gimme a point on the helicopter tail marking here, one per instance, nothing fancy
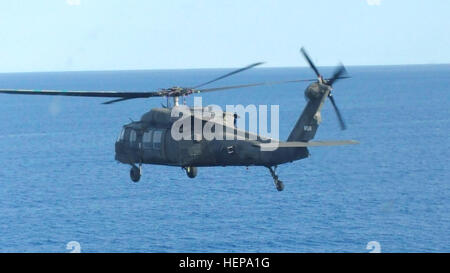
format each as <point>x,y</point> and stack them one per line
<point>307,124</point>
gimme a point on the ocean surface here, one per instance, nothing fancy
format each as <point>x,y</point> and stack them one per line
<point>59,181</point>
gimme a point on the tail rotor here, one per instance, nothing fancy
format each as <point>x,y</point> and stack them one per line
<point>339,73</point>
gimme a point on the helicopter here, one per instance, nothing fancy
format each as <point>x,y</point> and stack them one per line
<point>150,140</point>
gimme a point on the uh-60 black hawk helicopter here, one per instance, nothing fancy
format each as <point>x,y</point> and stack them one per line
<point>149,141</point>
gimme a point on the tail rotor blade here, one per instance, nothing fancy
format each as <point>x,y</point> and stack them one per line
<point>338,113</point>
<point>340,70</point>
<point>308,59</point>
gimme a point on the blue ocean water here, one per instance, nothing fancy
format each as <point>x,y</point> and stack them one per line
<point>59,181</point>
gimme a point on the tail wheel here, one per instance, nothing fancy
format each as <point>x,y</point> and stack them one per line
<point>135,174</point>
<point>191,172</point>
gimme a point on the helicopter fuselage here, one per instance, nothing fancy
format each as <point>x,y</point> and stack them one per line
<point>149,143</point>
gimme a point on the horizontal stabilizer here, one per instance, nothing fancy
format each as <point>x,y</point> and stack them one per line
<point>296,144</point>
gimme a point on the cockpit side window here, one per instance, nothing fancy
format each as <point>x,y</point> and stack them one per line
<point>133,137</point>
<point>126,135</point>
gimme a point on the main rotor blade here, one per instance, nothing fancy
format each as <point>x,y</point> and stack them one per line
<point>251,85</point>
<point>338,113</point>
<point>340,70</point>
<point>228,74</point>
<point>117,100</point>
<point>258,84</point>
<point>308,59</point>
<point>98,94</point>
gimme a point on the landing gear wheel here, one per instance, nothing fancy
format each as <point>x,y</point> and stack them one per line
<point>279,185</point>
<point>135,174</point>
<point>191,172</point>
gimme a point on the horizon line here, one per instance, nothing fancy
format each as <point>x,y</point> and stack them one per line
<point>217,68</point>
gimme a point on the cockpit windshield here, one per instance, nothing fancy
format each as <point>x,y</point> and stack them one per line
<point>121,135</point>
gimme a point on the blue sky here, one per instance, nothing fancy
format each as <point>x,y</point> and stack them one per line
<point>61,35</point>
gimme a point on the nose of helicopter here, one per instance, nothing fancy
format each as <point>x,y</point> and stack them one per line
<point>119,147</point>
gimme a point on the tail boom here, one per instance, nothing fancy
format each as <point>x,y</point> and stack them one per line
<point>306,126</point>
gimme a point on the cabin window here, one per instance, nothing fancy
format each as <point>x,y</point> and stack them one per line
<point>157,140</point>
<point>147,139</point>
